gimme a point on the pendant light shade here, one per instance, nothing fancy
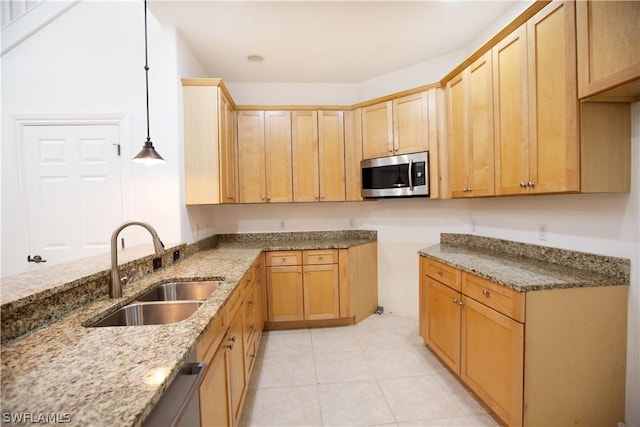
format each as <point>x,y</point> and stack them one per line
<point>148,155</point>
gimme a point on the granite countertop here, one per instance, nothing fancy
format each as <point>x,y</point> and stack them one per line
<point>525,267</point>
<point>115,375</point>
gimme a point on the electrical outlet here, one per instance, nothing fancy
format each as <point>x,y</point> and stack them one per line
<point>157,263</point>
<point>176,255</point>
<point>542,232</point>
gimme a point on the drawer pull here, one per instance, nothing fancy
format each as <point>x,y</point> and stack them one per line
<point>485,293</point>
<point>457,301</point>
<point>439,272</point>
<point>284,259</point>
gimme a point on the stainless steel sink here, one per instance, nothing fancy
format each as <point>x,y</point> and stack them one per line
<point>150,313</point>
<point>178,291</point>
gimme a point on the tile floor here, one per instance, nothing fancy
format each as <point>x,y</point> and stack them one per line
<point>371,374</point>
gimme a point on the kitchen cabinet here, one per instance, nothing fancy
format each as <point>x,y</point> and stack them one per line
<point>321,287</point>
<point>545,141</point>
<point>525,354</point>
<point>303,285</point>
<point>318,156</point>
<point>229,348</point>
<point>470,130</point>
<point>353,154</point>
<point>608,50</point>
<point>398,126</point>
<point>264,156</point>
<point>209,143</point>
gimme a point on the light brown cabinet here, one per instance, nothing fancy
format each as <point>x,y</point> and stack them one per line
<point>399,126</point>
<point>545,141</point>
<point>264,154</point>
<point>229,348</point>
<point>303,285</point>
<point>318,146</point>
<point>321,287</point>
<point>470,131</point>
<point>527,372</point>
<point>608,51</point>
<point>209,143</point>
<point>353,154</point>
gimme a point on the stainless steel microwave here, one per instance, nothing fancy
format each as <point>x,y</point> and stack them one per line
<point>405,175</point>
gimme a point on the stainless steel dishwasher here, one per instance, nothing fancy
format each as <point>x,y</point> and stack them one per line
<point>179,406</point>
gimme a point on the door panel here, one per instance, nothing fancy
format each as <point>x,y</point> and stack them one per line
<point>73,189</point>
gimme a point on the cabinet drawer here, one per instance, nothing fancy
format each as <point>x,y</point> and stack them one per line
<point>504,300</point>
<point>206,347</point>
<point>246,282</point>
<point>284,258</point>
<point>320,256</point>
<point>443,273</point>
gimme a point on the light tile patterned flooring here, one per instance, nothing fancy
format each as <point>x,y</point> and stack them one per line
<point>371,374</point>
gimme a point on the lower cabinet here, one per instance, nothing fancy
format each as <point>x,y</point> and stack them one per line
<point>229,349</point>
<point>563,365</point>
<point>321,287</point>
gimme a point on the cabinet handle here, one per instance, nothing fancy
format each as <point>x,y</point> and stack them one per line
<point>322,196</point>
<point>284,259</point>
<point>229,346</point>
<point>320,258</point>
<point>268,198</point>
<point>523,184</point>
<point>485,293</point>
<point>232,339</point>
<point>457,301</point>
<point>439,272</point>
<point>390,150</point>
<point>531,184</point>
<point>262,197</point>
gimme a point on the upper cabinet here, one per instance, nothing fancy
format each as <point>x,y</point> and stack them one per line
<point>318,146</point>
<point>398,126</point>
<point>264,151</point>
<point>470,130</point>
<point>209,143</point>
<point>608,34</point>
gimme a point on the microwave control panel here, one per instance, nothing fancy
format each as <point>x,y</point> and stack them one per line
<point>419,177</point>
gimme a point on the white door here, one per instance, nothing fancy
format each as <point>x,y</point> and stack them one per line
<point>73,191</point>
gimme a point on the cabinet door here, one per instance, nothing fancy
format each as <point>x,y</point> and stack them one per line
<point>411,124</point>
<point>377,130</point>
<point>331,156</point>
<point>456,145</point>
<point>277,142</point>
<point>251,156</point>
<point>228,152</point>
<point>492,359</point>
<point>304,140</point>
<point>235,366</point>
<point>444,320</point>
<point>423,309</point>
<point>284,293</point>
<point>213,392</point>
<point>608,46</point>
<point>553,106</point>
<point>201,156</point>
<point>353,154</point>
<point>511,113</point>
<point>321,292</point>
<point>480,127</point>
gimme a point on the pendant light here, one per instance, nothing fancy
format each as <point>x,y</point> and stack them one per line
<point>148,155</point>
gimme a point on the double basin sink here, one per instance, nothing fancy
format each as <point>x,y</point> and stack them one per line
<point>164,303</point>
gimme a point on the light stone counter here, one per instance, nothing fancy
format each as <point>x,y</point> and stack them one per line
<point>104,376</point>
<point>526,267</point>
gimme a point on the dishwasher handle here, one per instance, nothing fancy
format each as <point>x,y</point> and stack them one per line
<point>198,369</point>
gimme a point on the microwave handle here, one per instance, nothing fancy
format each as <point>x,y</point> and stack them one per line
<point>410,174</point>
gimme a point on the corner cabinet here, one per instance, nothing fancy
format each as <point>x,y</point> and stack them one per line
<point>321,287</point>
<point>264,154</point>
<point>527,369</point>
<point>608,50</point>
<point>211,175</point>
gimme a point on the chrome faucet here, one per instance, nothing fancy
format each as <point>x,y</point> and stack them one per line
<point>115,288</point>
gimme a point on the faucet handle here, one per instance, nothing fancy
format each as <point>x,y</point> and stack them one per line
<point>125,279</point>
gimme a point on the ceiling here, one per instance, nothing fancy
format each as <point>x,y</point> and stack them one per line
<point>323,41</point>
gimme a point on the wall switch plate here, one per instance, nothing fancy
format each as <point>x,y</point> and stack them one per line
<point>157,263</point>
<point>176,255</point>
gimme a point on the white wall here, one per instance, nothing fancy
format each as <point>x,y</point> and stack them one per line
<point>91,61</point>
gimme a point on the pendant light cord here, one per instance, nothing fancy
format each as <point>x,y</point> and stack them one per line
<point>146,69</point>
